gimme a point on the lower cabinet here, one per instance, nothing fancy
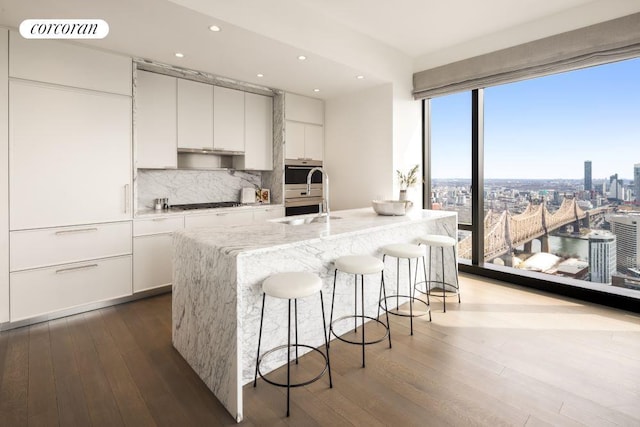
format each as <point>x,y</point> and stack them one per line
<point>267,213</point>
<point>152,251</point>
<point>220,218</point>
<point>46,290</point>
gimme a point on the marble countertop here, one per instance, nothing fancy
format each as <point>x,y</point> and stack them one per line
<point>266,236</point>
<point>152,213</point>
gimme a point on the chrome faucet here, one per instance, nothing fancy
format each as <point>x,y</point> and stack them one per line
<point>324,206</point>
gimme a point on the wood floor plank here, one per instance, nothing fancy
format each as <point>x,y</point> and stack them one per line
<point>101,404</point>
<point>15,380</point>
<point>42,404</point>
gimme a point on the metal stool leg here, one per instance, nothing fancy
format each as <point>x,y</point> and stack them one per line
<point>255,378</point>
<point>333,298</point>
<point>410,299</point>
<point>288,355</point>
<point>326,342</point>
<point>355,303</point>
<point>386,308</point>
<point>444,295</point>
<point>457,283</point>
<point>362,299</point>
<point>295,308</point>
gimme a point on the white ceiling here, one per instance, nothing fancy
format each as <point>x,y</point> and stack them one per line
<point>383,40</point>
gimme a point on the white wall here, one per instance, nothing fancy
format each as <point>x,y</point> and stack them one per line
<point>4,175</point>
<point>358,147</point>
<point>407,139</point>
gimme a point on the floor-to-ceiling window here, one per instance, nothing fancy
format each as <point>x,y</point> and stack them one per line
<point>558,169</point>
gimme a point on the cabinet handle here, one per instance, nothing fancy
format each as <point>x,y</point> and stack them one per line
<point>158,219</point>
<point>72,269</point>
<point>222,214</point>
<point>301,167</point>
<point>77,230</point>
<point>126,198</point>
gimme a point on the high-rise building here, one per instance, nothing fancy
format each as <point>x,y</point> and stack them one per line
<point>636,181</point>
<point>627,231</point>
<point>602,256</point>
<point>588,184</point>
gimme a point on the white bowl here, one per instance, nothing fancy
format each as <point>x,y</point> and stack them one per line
<point>391,207</point>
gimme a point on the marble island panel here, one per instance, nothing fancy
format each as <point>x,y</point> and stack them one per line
<point>218,273</point>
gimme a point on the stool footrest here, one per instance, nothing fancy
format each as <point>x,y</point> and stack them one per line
<point>359,316</point>
<point>301,384</point>
<point>396,312</point>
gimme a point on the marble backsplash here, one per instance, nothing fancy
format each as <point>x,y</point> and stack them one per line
<point>192,186</point>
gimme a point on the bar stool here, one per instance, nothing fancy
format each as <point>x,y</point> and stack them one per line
<point>409,252</point>
<point>291,286</point>
<point>359,265</point>
<point>439,241</point>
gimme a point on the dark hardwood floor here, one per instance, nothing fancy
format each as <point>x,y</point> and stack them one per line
<point>505,356</point>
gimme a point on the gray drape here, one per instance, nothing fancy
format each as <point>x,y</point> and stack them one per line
<point>593,45</point>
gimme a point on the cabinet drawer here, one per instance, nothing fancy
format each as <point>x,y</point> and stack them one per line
<point>263,214</point>
<point>143,227</point>
<point>222,218</point>
<point>46,290</point>
<point>51,246</point>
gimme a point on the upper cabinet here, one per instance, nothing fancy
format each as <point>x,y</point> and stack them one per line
<point>304,109</point>
<point>258,134</point>
<point>228,117</point>
<point>304,130</point>
<point>68,65</point>
<point>70,155</point>
<point>156,121</point>
<point>195,115</point>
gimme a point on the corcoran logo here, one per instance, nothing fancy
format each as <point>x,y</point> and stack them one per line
<point>64,29</point>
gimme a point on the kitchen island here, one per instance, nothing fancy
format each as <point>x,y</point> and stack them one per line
<point>217,279</point>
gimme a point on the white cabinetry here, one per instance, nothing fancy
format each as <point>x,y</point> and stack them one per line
<point>304,141</point>
<point>304,109</point>
<point>195,115</point>
<point>45,290</point>
<point>220,218</point>
<point>68,64</point>
<point>152,252</point>
<point>4,177</point>
<point>70,156</point>
<point>156,121</point>
<point>258,133</point>
<point>228,119</point>
<point>266,213</point>
<point>58,269</point>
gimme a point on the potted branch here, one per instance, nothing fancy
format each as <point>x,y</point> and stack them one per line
<point>407,180</point>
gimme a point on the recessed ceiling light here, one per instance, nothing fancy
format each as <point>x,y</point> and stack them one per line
<point>316,90</point>
<point>360,77</point>
<point>260,75</point>
<point>179,55</point>
<point>302,57</point>
<point>214,28</point>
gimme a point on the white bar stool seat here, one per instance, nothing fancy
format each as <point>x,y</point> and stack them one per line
<point>442,242</point>
<point>358,265</point>
<point>291,286</point>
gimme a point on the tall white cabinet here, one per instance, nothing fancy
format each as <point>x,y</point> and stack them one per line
<point>70,177</point>
<point>228,119</point>
<point>4,177</point>
<point>258,133</point>
<point>156,121</point>
<point>74,166</point>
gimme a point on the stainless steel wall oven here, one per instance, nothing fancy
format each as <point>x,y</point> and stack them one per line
<point>297,200</point>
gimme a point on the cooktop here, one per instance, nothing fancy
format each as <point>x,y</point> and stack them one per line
<point>209,205</point>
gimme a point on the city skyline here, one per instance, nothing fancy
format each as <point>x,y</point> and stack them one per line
<point>545,128</point>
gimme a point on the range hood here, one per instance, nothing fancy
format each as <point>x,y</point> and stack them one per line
<point>210,151</point>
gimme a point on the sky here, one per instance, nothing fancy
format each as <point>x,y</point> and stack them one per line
<point>546,127</point>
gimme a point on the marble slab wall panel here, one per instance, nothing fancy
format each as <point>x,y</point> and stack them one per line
<point>192,186</point>
<point>274,180</point>
<point>317,256</point>
<point>205,335</point>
